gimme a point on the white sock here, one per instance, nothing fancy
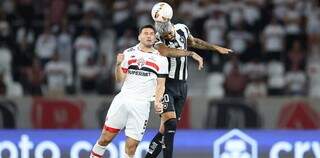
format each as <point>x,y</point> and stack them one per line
<point>98,150</point>
<point>127,156</point>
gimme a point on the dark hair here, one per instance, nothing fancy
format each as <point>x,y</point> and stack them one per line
<point>147,26</point>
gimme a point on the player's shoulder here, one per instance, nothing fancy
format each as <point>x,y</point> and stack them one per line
<point>130,50</point>
<point>181,26</point>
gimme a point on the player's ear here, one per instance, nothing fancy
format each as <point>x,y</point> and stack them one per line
<point>139,38</point>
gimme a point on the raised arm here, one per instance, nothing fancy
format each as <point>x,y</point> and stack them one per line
<point>174,52</point>
<point>119,73</point>
<point>158,106</point>
<point>201,44</point>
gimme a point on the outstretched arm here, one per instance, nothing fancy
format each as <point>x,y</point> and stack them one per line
<point>174,52</point>
<point>201,44</point>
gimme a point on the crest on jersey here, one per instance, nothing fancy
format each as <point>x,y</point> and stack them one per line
<point>140,62</point>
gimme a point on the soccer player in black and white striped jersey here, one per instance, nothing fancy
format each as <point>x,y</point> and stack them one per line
<point>173,41</point>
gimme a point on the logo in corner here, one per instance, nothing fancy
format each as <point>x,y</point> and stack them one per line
<point>235,144</point>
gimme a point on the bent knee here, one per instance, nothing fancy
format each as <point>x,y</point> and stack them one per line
<point>131,148</point>
<point>171,124</point>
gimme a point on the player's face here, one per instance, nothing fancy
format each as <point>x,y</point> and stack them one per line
<point>147,37</point>
<point>168,36</point>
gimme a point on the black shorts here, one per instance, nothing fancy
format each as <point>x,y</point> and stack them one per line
<point>175,96</point>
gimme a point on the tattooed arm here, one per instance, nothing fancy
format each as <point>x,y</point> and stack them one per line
<point>174,52</point>
<point>201,44</point>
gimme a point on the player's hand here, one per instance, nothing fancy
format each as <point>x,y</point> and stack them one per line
<point>199,59</point>
<point>120,58</point>
<point>223,50</point>
<point>158,107</point>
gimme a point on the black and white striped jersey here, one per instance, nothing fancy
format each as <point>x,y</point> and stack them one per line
<point>178,67</point>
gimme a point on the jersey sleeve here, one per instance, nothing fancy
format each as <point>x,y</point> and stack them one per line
<point>163,69</point>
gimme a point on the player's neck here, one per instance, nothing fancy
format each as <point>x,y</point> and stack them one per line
<point>145,49</point>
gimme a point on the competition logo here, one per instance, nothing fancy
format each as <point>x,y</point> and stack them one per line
<point>235,144</point>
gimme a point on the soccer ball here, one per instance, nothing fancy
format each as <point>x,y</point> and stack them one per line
<point>161,12</point>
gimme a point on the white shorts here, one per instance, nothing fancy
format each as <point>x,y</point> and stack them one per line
<point>128,113</point>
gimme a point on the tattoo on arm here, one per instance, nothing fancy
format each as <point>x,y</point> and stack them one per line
<point>201,44</point>
<point>172,52</point>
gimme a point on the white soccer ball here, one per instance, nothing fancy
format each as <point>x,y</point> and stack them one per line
<point>161,12</point>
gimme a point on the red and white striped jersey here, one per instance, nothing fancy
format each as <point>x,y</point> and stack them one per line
<point>142,68</point>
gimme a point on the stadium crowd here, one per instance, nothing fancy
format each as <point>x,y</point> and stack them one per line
<point>57,47</point>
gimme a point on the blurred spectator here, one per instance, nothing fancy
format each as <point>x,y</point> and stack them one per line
<point>239,38</point>
<point>313,30</point>
<point>256,88</point>
<point>64,44</point>
<point>105,79</point>
<point>8,7</point>
<point>142,11</point>
<point>296,57</point>
<point>25,34</point>
<point>276,81</point>
<point>313,70</point>
<point>26,10</point>
<point>5,62</point>
<point>121,16</point>
<point>85,47</point>
<point>58,74</point>
<point>231,64</point>
<point>2,83</point>
<point>88,74</point>
<point>45,46</point>
<point>215,85</point>
<point>91,23</point>
<point>254,69</point>
<point>22,57</point>
<point>235,11</point>
<point>273,41</point>
<point>186,11</point>
<point>5,33</point>
<point>34,78</point>
<point>92,6</point>
<point>251,14</point>
<point>202,9</point>
<point>58,9</point>
<point>121,11</point>
<point>107,45</point>
<point>215,28</point>
<point>127,40</point>
<point>292,23</point>
<point>235,83</point>
<point>296,81</point>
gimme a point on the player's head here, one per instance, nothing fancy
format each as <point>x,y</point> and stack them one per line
<point>165,29</point>
<point>147,35</point>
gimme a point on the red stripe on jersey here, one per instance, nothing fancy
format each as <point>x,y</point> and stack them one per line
<point>154,65</point>
<point>96,155</point>
<point>110,129</point>
<point>132,61</point>
<point>125,70</point>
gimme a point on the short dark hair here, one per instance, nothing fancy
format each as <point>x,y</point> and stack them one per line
<point>147,26</point>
